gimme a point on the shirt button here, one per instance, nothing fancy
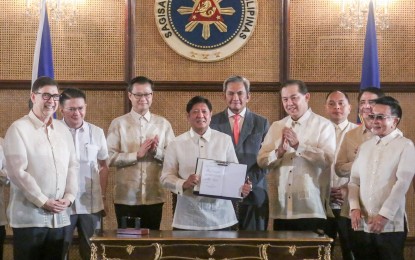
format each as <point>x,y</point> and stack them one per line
<point>289,184</point>
<point>289,197</point>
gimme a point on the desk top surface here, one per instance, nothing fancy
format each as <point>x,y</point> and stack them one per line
<point>302,236</point>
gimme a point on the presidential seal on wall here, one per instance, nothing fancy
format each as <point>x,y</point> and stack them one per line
<point>206,30</point>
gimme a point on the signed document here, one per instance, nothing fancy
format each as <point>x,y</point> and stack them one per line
<point>220,179</point>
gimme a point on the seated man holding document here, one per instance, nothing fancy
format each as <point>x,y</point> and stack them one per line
<point>203,154</point>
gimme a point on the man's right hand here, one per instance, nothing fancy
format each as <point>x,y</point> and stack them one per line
<point>192,181</point>
<point>54,206</point>
<point>355,217</point>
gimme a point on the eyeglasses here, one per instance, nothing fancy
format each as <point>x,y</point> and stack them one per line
<point>47,96</point>
<point>139,95</point>
<point>379,116</point>
<point>74,109</point>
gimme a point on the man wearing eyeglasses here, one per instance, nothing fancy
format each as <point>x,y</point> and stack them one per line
<point>136,144</point>
<point>92,153</point>
<point>338,109</point>
<point>298,150</point>
<point>350,145</point>
<point>43,170</point>
<point>380,177</point>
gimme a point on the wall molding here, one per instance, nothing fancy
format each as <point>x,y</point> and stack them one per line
<point>401,87</point>
<point>85,85</point>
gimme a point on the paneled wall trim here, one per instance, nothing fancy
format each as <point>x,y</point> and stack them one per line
<point>121,40</point>
<point>400,87</point>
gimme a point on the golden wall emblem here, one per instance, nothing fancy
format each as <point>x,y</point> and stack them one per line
<point>206,30</point>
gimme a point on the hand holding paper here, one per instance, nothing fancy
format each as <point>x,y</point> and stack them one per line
<point>222,179</point>
<point>191,181</point>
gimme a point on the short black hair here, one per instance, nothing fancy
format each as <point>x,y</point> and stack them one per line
<point>373,90</point>
<point>196,100</point>
<point>237,78</point>
<point>302,88</point>
<point>43,81</point>
<point>71,93</point>
<point>389,101</point>
<point>139,80</point>
<point>344,93</point>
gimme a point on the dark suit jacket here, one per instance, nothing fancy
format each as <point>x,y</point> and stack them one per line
<point>252,134</point>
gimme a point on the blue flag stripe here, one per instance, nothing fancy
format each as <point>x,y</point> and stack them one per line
<point>43,58</point>
<point>370,66</point>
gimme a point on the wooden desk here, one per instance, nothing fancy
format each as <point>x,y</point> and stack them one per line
<point>211,245</point>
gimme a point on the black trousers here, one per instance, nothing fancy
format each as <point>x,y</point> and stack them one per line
<point>383,246</point>
<point>2,237</point>
<point>253,217</point>
<point>86,224</point>
<point>38,243</point>
<point>150,215</point>
<point>301,224</point>
<point>342,226</point>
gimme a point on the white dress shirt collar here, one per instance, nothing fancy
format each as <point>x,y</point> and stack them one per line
<point>147,116</point>
<point>82,127</point>
<point>387,139</point>
<point>242,114</point>
<point>39,123</point>
<point>302,119</point>
<point>343,124</point>
<point>205,136</point>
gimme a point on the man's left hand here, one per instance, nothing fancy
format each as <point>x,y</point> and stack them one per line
<point>336,196</point>
<point>377,223</point>
<point>154,144</point>
<point>291,137</point>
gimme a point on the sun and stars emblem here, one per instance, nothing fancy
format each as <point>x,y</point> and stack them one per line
<point>206,12</point>
<point>206,30</point>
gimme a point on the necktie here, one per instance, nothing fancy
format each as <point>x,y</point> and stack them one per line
<point>236,128</point>
<point>338,134</point>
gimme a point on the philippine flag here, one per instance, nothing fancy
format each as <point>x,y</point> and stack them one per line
<point>43,59</point>
<point>370,65</point>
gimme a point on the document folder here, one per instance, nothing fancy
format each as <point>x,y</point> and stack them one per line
<point>219,179</point>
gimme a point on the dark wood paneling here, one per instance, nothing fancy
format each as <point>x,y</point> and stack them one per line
<point>86,85</point>
<point>211,86</point>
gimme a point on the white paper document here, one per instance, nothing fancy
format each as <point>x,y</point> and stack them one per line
<point>220,179</point>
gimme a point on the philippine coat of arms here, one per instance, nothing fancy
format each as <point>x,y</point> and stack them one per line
<point>206,30</point>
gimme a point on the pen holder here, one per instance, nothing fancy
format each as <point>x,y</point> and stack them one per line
<point>130,222</point>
